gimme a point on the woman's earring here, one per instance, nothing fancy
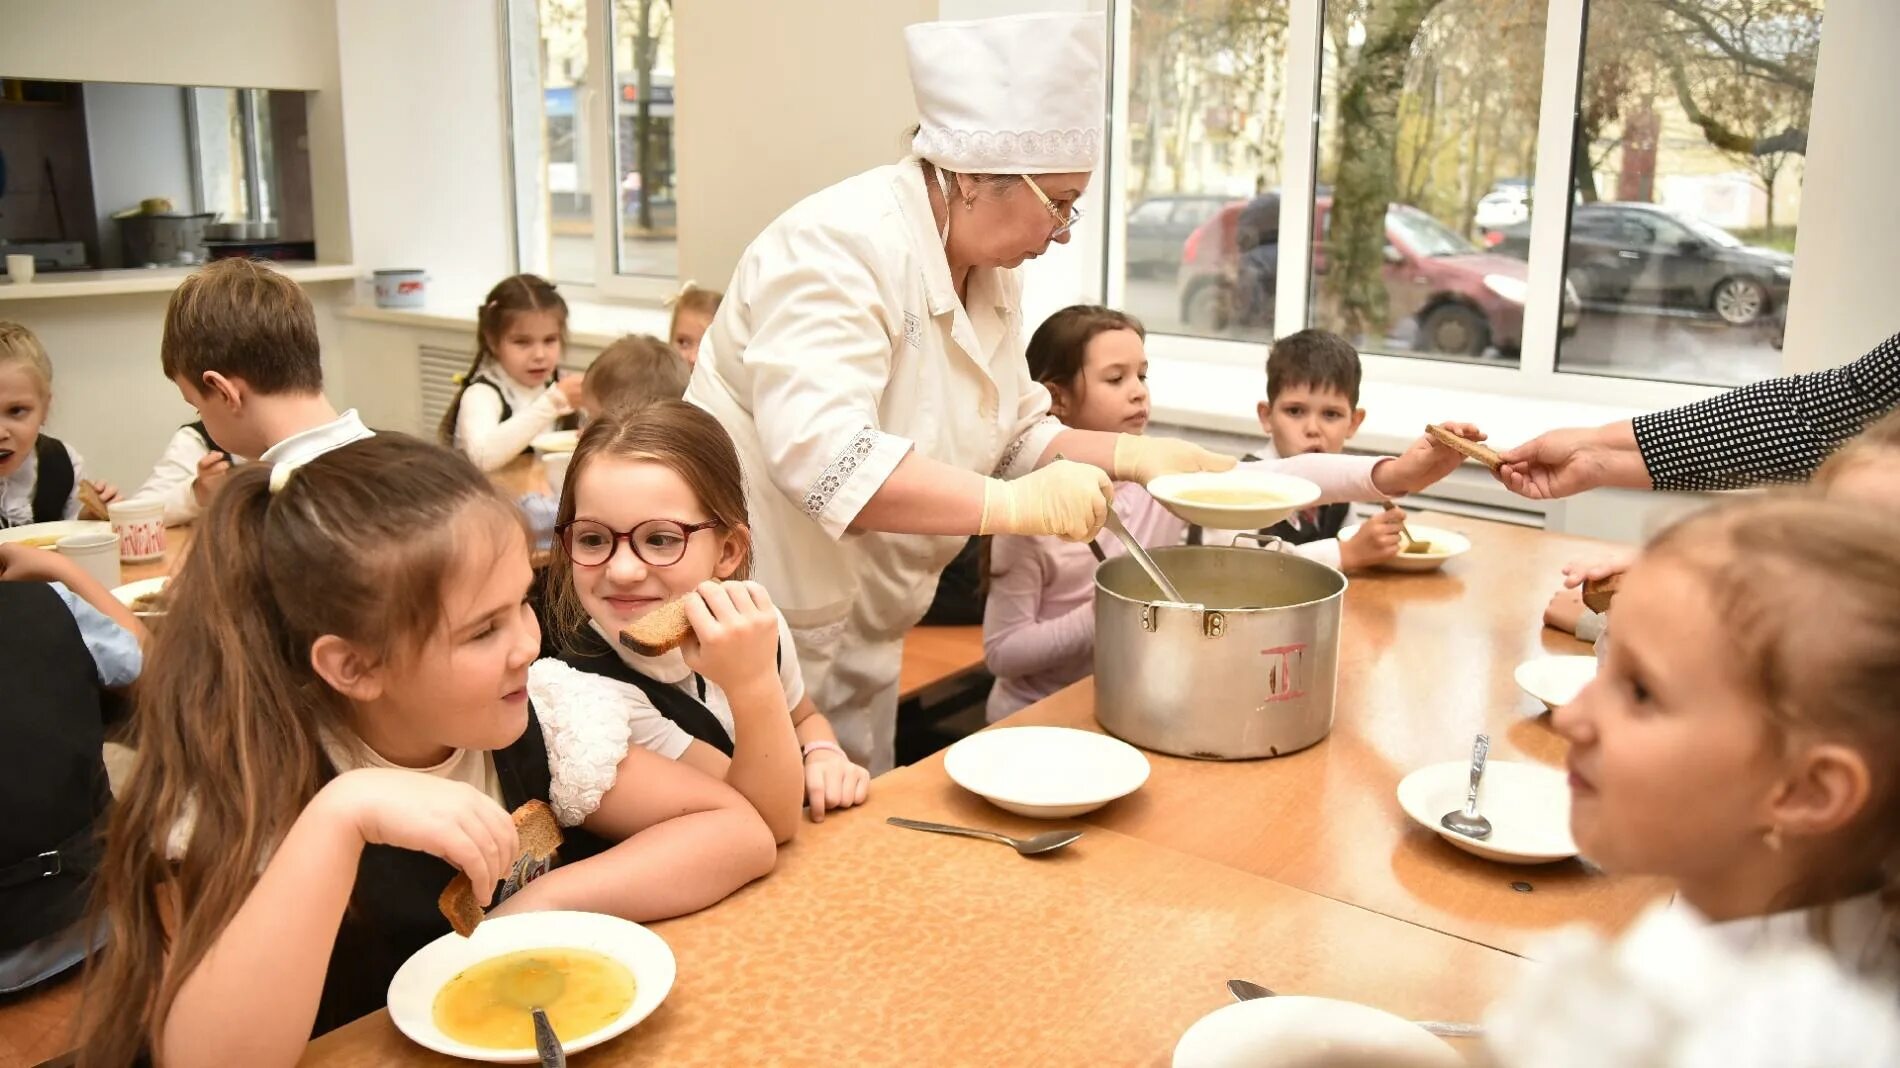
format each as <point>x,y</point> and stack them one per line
<point>969,203</point>
<point>1772,838</point>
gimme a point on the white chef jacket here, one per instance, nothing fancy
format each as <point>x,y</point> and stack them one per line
<point>839,347</point>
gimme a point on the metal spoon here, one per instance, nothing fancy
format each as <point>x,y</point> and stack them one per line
<point>1246,991</point>
<point>1141,557</point>
<point>1036,845</point>
<point>547,1045</point>
<point>1467,822</point>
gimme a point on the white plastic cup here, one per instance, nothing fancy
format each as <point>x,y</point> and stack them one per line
<point>96,554</point>
<point>20,269</point>
<point>140,525</point>
<point>556,464</point>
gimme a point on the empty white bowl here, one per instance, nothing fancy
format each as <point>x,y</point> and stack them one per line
<point>556,441</point>
<point>1528,806</point>
<point>1445,545</point>
<point>1555,680</point>
<point>1302,1032</point>
<point>1282,495</point>
<point>132,591</point>
<point>1049,773</point>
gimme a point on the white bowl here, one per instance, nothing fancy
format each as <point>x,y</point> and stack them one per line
<point>1528,806</point>
<point>1289,495</point>
<point>412,992</point>
<point>556,441</point>
<point>132,591</point>
<point>1290,1031</point>
<point>44,535</point>
<point>1445,545</point>
<point>1049,773</point>
<point>1555,680</point>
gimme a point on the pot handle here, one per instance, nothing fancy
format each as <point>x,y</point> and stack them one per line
<point>1269,542</point>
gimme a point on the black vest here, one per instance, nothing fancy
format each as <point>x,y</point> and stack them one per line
<point>53,485</point>
<point>52,724</point>
<point>204,435</point>
<point>566,422</point>
<point>678,706</point>
<point>392,911</point>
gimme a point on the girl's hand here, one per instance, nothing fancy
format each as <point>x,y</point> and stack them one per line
<point>570,389</point>
<point>1423,463</point>
<point>1563,611</point>
<point>1576,572</point>
<point>106,490</point>
<point>832,782</point>
<point>23,563</point>
<point>735,635</point>
<point>213,468</point>
<point>448,819</point>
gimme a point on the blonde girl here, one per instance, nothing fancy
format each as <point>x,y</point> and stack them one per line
<point>693,309</point>
<point>39,474</point>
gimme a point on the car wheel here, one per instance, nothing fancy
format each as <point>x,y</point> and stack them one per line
<point>1739,301</point>
<point>1209,308</point>
<point>1454,330</point>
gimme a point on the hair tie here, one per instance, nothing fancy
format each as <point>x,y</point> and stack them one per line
<point>280,477</point>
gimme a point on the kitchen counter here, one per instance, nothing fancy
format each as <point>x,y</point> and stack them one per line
<point>50,285</point>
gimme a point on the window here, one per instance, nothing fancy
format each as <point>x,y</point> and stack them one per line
<point>592,114</point>
<point>1546,192</point>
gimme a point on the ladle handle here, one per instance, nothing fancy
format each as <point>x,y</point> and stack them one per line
<point>1141,557</point>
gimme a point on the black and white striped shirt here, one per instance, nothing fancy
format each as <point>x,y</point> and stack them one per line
<point>1774,431</point>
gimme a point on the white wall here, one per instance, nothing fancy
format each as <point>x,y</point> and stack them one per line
<point>1849,246</point>
<point>138,143</point>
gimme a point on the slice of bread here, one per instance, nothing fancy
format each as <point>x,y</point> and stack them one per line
<point>540,837</point>
<point>1597,593</point>
<point>91,505</point>
<point>659,631</point>
<point>1478,451</point>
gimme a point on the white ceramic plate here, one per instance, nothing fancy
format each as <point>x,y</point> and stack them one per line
<point>132,591</point>
<point>1289,494</point>
<point>1445,545</point>
<point>1528,806</point>
<point>1050,773</point>
<point>44,535</point>
<point>1302,1032</point>
<point>412,992</point>
<point>556,441</point>
<point>1555,680</point>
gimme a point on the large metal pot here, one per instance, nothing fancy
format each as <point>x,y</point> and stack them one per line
<point>1248,672</point>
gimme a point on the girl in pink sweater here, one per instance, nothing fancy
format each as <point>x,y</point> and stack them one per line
<point>1039,618</point>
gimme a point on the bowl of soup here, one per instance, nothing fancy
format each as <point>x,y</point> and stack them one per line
<point>47,535</point>
<point>595,976</point>
<point>1432,547</point>
<point>1244,498</point>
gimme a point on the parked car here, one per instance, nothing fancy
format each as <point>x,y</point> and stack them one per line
<point>1507,204</point>
<point>1461,300</point>
<point>1158,226</point>
<point>1645,254</point>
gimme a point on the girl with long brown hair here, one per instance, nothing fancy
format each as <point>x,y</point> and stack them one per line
<point>730,701</point>
<point>332,722</point>
<point>513,391</point>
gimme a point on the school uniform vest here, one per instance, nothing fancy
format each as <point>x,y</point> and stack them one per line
<point>53,485</point>
<point>52,724</point>
<point>204,435</point>
<point>392,911</point>
<point>681,708</point>
<point>566,422</point>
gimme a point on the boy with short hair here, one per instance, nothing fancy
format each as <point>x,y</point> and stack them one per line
<point>240,344</point>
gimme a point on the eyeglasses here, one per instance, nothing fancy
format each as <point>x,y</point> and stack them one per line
<point>1065,221</point>
<point>656,542</point>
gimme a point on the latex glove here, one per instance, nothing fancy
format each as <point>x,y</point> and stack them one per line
<point>1064,498</point>
<point>1139,458</point>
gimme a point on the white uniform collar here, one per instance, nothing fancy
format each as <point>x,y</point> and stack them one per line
<point>305,446</point>
<point>913,201</point>
<point>1859,933</point>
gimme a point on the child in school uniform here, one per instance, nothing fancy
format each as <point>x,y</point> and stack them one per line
<point>70,651</point>
<point>693,310</point>
<point>654,512</point>
<point>1740,736</point>
<point>513,391</point>
<point>334,721</point>
<point>240,343</point>
<point>1039,617</point>
<point>39,474</point>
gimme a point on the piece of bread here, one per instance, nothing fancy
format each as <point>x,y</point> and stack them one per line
<point>1598,592</point>
<point>1478,451</point>
<point>540,837</point>
<point>659,631</point>
<point>91,505</point>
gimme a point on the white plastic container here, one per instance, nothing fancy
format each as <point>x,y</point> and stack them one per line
<point>140,525</point>
<point>96,554</point>
<point>400,287</point>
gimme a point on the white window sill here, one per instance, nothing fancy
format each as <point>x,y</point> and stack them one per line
<point>591,324</point>
<point>56,284</point>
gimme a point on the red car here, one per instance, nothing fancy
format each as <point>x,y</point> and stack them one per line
<point>1461,300</point>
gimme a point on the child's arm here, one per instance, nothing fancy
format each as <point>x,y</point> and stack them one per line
<point>491,441</point>
<point>686,840</point>
<point>19,563</point>
<point>832,779</point>
<point>170,482</point>
<point>253,997</point>
<point>1016,641</point>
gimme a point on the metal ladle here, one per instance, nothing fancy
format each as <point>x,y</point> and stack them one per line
<point>1141,557</point>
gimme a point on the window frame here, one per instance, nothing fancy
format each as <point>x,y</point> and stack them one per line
<point>1536,374</point>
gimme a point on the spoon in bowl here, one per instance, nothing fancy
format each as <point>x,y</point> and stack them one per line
<point>1466,821</point>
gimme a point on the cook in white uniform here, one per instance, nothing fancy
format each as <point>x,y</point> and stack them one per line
<point>868,360</point>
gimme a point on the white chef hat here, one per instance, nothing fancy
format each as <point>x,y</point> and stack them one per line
<point>1016,95</point>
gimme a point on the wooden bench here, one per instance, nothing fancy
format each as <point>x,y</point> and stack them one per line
<point>940,690</point>
<point>935,657</point>
<point>39,1026</point>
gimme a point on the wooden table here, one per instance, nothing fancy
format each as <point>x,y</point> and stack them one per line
<point>1425,663</point>
<point>936,655</point>
<point>177,540</point>
<point>873,945</point>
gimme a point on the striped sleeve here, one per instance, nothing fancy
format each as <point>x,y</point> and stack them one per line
<point>1774,431</point>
